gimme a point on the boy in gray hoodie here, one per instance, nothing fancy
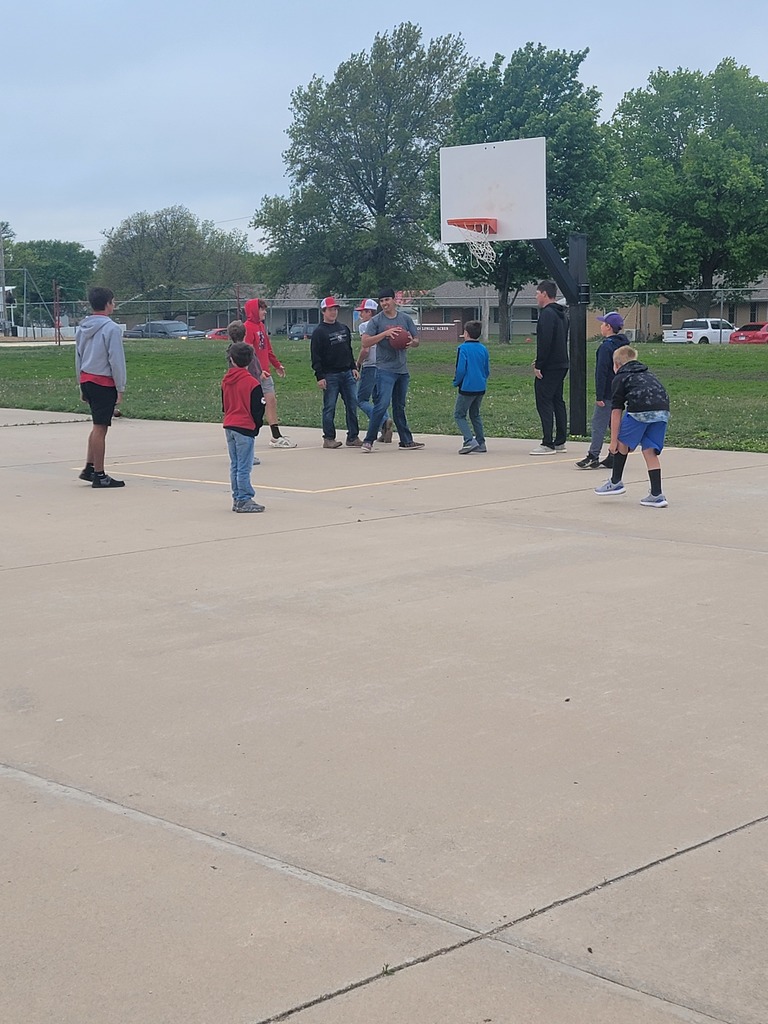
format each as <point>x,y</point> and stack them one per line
<point>100,372</point>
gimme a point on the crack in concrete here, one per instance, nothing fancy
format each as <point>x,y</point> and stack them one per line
<point>353,892</point>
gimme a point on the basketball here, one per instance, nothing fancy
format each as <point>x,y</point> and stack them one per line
<point>400,338</point>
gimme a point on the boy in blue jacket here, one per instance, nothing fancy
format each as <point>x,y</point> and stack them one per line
<point>610,328</point>
<point>471,378</point>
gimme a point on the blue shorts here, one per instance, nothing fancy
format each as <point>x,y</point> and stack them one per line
<point>647,435</point>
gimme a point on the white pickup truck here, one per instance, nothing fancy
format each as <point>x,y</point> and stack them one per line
<point>700,332</point>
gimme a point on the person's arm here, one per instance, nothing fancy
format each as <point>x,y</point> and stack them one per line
<point>461,368</point>
<point>545,336</point>
<point>414,333</point>
<point>257,407</point>
<point>603,365</point>
<point>316,345</point>
<point>273,360</point>
<point>116,356</point>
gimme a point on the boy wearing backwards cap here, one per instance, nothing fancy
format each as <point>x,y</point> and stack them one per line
<point>366,364</point>
<point>613,338</point>
<point>333,362</point>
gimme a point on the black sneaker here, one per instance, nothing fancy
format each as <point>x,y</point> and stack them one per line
<point>87,474</point>
<point>607,462</point>
<point>105,480</point>
<point>588,462</point>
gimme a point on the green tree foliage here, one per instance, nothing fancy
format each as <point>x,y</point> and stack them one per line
<point>538,93</point>
<point>694,178</point>
<point>67,263</point>
<point>171,254</point>
<point>360,150</point>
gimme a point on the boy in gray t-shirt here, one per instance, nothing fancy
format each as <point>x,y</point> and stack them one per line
<point>391,369</point>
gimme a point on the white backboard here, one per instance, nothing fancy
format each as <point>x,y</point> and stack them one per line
<point>505,180</point>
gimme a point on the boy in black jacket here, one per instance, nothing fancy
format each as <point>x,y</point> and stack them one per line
<point>610,328</point>
<point>644,423</point>
<point>333,362</point>
<point>549,369</point>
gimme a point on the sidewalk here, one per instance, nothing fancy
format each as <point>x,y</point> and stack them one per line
<point>436,739</point>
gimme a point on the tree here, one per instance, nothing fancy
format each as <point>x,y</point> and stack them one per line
<point>694,178</point>
<point>170,253</point>
<point>538,93</point>
<point>361,146</point>
<point>67,263</point>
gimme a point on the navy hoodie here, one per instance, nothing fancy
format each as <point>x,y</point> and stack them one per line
<point>604,372</point>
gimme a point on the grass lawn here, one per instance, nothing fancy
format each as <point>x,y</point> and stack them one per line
<point>719,393</point>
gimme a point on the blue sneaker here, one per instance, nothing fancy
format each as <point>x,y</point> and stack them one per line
<point>654,501</point>
<point>468,446</point>
<point>611,488</point>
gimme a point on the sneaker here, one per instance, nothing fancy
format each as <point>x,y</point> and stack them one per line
<point>282,442</point>
<point>355,443</point>
<point>588,462</point>
<point>468,446</point>
<point>256,460</point>
<point>412,446</point>
<point>387,429</point>
<point>609,487</point>
<point>100,482</point>
<point>542,449</point>
<point>87,474</point>
<point>366,447</point>
<point>247,506</point>
<point>479,448</point>
<point>654,501</point>
<point>560,448</point>
<point>331,442</point>
<point>607,462</point>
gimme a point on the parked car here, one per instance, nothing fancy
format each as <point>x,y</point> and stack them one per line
<point>702,331</point>
<point>299,331</point>
<point>163,329</point>
<point>750,334</point>
<point>219,333</point>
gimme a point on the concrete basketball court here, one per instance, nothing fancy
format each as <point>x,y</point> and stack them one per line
<point>435,739</point>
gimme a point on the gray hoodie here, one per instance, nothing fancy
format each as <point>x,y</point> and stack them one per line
<point>99,349</point>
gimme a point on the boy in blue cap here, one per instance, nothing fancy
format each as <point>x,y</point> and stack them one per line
<point>610,328</point>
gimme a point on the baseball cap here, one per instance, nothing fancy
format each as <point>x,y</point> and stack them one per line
<point>367,304</point>
<point>614,320</point>
<point>330,301</point>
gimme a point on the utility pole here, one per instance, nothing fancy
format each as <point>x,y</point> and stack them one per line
<point>2,281</point>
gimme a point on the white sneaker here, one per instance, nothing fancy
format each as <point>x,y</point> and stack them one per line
<point>541,449</point>
<point>560,448</point>
<point>282,442</point>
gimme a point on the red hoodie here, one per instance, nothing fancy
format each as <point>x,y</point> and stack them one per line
<point>256,336</point>
<point>242,401</point>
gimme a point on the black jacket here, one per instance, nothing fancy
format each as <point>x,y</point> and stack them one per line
<point>604,365</point>
<point>551,338</point>
<point>638,390</point>
<point>331,349</point>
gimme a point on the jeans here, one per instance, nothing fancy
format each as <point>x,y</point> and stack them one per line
<point>343,384</point>
<point>240,464</point>
<point>469,405</point>
<point>366,389</point>
<point>548,391</point>
<point>392,387</point>
<point>601,420</point>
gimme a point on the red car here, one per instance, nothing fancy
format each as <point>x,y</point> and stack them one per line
<point>219,333</point>
<point>750,334</point>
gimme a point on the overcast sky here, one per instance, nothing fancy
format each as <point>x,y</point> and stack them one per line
<point>112,107</point>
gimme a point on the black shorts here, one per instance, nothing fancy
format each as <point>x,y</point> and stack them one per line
<point>102,401</point>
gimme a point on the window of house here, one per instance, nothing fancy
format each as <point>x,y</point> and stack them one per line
<point>754,313</point>
<point>534,314</point>
<point>732,312</point>
<point>666,314</point>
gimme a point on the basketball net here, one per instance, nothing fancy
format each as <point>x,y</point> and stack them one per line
<point>476,234</point>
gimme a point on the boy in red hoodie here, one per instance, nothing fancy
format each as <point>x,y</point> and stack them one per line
<point>242,402</point>
<point>256,336</point>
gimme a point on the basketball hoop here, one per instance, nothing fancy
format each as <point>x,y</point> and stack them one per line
<point>476,232</point>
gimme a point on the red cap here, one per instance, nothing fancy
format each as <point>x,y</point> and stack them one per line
<point>330,301</point>
<point>367,304</point>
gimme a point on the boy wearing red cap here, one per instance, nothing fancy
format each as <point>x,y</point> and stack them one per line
<point>333,362</point>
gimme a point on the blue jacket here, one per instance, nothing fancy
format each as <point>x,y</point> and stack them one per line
<point>604,365</point>
<point>473,368</point>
